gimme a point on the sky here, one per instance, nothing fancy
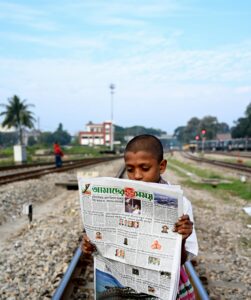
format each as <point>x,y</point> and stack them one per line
<point>170,60</point>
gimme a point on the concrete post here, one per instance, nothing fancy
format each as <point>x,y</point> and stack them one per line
<point>20,153</point>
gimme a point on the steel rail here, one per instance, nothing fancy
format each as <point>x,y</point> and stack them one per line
<point>38,164</point>
<point>38,173</point>
<point>199,289</point>
<point>65,287</point>
<point>228,165</point>
<point>231,154</point>
<point>63,290</point>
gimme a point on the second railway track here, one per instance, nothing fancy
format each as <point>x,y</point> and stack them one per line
<point>229,165</point>
<point>17,175</point>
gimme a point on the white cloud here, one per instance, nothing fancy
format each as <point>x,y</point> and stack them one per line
<point>76,91</point>
<point>158,82</point>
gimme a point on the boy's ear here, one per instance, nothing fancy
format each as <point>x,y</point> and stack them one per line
<point>162,166</point>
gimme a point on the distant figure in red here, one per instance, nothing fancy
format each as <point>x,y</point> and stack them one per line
<point>58,155</point>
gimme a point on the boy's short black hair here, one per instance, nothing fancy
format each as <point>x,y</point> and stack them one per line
<point>148,143</point>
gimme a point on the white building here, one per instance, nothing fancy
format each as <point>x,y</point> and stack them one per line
<point>97,134</point>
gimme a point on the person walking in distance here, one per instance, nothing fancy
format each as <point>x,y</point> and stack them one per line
<point>58,154</point>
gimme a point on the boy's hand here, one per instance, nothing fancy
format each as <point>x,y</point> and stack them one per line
<point>184,226</point>
<point>87,247</point>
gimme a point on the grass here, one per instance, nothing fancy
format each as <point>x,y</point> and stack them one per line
<point>197,171</point>
<point>85,150</point>
<point>245,243</point>
<point>6,152</point>
<point>234,188</point>
<point>173,168</point>
<point>74,151</point>
<point>235,161</point>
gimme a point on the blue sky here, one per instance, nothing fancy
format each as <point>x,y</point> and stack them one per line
<point>169,60</point>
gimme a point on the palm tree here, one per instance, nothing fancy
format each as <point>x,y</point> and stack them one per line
<point>17,115</point>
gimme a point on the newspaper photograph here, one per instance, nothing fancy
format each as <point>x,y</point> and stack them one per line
<point>113,279</point>
<point>131,224</point>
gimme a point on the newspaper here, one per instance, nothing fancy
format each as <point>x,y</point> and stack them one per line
<point>131,223</point>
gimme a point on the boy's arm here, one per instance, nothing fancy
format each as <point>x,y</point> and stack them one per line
<point>184,226</point>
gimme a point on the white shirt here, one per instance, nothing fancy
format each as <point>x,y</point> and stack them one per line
<point>191,242</point>
<point>191,245</point>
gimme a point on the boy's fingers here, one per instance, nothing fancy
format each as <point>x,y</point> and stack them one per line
<point>184,220</point>
<point>184,217</point>
<point>183,225</point>
<point>87,247</point>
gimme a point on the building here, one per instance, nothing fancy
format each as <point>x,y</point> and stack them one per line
<point>97,134</point>
<point>169,142</point>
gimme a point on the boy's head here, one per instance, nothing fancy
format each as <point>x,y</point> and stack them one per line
<point>144,158</point>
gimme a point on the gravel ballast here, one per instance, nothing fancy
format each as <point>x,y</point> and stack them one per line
<point>34,258</point>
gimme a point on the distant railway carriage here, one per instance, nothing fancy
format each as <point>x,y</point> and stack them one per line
<point>243,144</point>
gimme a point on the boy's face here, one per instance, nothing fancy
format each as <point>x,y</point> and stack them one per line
<point>143,166</point>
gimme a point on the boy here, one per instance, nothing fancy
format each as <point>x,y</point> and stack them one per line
<point>144,161</point>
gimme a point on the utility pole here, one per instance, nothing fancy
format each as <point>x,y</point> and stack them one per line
<point>112,88</point>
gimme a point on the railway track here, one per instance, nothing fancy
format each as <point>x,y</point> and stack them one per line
<point>34,165</point>
<point>74,284</point>
<point>233,166</point>
<point>41,170</point>
<point>232,154</point>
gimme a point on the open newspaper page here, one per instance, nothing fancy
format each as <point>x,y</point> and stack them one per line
<point>131,223</point>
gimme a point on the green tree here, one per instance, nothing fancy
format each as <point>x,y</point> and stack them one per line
<point>243,125</point>
<point>17,115</point>
<point>223,128</point>
<point>61,135</point>
<point>195,126</point>
<point>179,133</point>
<point>121,132</point>
<point>46,138</point>
<point>32,141</point>
<point>210,124</point>
<point>191,129</point>
<point>8,139</point>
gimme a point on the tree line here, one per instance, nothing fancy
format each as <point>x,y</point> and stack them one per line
<point>17,114</point>
<point>208,127</point>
